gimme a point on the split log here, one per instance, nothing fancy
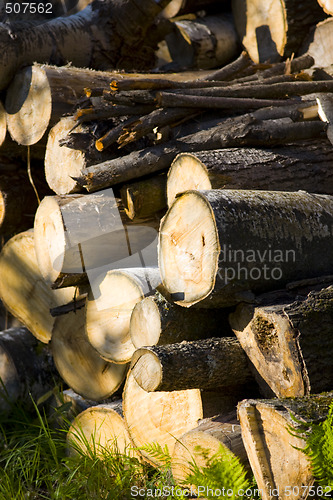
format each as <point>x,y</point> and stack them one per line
<point>245,131</point>
<point>275,453</point>
<point>156,321</point>
<point>26,369</point>
<point>203,43</point>
<point>201,364</point>
<point>313,44</point>
<point>200,444</point>
<point>23,290</point>
<point>40,95</point>
<point>109,308</point>
<point>110,26</point>
<point>201,254</point>
<point>284,169</point>
<point>99,430</point>
<point>144,198</point>
<point>288,358</point>
<point>79,364</point>
<point>159,417</point>
<point>78,234</point>
<point>62,163</point>
<point>269,32</point>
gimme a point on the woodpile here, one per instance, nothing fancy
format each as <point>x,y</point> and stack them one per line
<point>180,265</point>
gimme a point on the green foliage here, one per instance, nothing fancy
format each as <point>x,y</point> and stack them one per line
<point>319,447</point>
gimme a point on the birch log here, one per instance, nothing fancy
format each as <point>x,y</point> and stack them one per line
<point>289,344</point>
<point>219,244</point>
<point>156,321</point>
<point>275,29</point>
<point>275,454</point>
<point>109,308</point>
<point>79,364</point>
<point>23,290</point>
<point>285,168</point>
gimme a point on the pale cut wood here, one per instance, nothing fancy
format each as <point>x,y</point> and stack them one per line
<point>201,364</point>
<point>314,46</point>
<point>100,430</point>
<point>157,321</point>
<point>286,168</point>
<point>109,308</point>
<point>203,43</point>
<point>79,364</point>
<point>23,290</point>
<point>159,417</point>
<point>275,455</point>
<point>202,443</point>
<point>289,343</point>
<point>144,198</point>
<point>327,5</point>
<point>271,29</point>
<point>201,249</point>
<point>181,7</point>
<point>76,235</point>
<point>26,369</point>
<point>3,124</point>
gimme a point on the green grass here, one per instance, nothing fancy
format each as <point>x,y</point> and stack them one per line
<point>35,464</point>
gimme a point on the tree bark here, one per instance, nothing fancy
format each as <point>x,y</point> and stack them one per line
<point>109,307</point>
<point>100,429</point>
<point>203,442</point>
<point>156,321</point>
<point>276,29</point>
<point>144,198</point>
<point>26,369</point>
<point>113,27</point>
<point>23,290</point>
<point>282,169</point>
<point>231,133</point>
<point>203,43</point>
<point>159,417</point>
<point>289,361</point>
<point>79,364</point>
<point>275,454</point>
<point>203,253</point>
<point>201,364</point>
<point>77,234</point>
<point>173,100</point>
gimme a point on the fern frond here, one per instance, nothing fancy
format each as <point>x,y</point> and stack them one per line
<point>157,451</point>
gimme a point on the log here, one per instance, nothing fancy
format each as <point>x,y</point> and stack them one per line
<point>156,321</point>
<point>201,364</point>
<point>23,290</point>
<point>203,253</point>
<point>26,369</point>
<point>282,169</point>
<point>204,43</point>
<point>109,308</point>
<point>110,26</point>
<point>100,430</point>
<point>79,364</point>
<point>62,163</point>
<point>40,95</point>
<point>275,453</point>
<point>159,417</point>
<point>327,5</point>
<point>288,359</point>
<point>269,32</point>
<point>202,443</point>
<point>76,235</point>
<point>181,7</point>
<point>231,133</point>
<point>144,198</point>
<point>313,44</point>
<point>3,124</point>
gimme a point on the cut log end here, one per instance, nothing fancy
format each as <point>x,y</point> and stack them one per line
<point>145,324</point>
<point>186,170</point>
<point>63,164</point>
<point>3,124</point>
<point>189,249</point>
<point>147,370</point>
<point>327,5</point>
<point>29,105</point>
